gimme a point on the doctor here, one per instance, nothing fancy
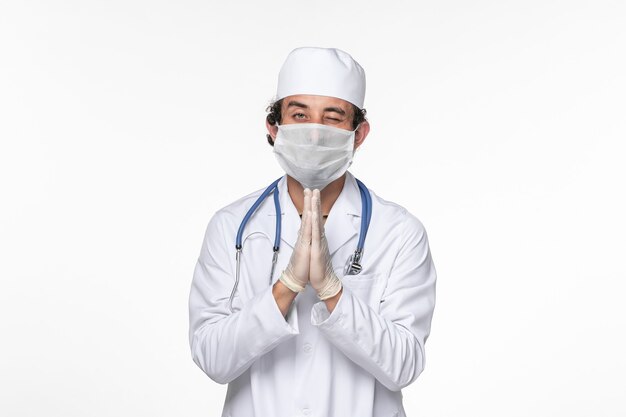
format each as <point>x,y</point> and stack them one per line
<point>307,335</point>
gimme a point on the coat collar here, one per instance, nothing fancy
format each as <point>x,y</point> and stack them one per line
<point>343,221</point>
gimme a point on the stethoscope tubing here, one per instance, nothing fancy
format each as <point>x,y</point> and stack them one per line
<point>273,187</point>
<point>354,266</point>
<point>366,213</point>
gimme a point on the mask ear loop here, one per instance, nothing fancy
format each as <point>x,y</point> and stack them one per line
<point>354,151</point>
<point>277,126</point>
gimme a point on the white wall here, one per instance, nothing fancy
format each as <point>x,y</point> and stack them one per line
<point>124,125</point>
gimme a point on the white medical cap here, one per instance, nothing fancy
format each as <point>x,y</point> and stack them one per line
<point>322,72</point>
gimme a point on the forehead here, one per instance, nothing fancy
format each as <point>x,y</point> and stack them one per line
<point>317,102</point>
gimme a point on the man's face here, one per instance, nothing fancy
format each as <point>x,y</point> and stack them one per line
<point>324,110</point>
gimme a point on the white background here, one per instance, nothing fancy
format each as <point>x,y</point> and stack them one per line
<point>124,125</point>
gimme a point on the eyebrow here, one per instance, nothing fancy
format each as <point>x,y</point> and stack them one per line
<point>297,104</point>
<point>335,110</point>
<point>294,103</point>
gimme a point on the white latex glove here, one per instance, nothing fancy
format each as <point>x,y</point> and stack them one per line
<point>322,275</point>
<point>296,275</point>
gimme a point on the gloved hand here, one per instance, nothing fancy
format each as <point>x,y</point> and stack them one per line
<point>322,275</point>
<point>296,275</point>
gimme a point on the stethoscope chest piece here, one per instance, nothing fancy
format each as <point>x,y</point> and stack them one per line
<point>353,266</point>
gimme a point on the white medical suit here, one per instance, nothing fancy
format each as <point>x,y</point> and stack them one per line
<point>351,362</point>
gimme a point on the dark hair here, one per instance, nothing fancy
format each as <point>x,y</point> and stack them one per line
<point>274,116</point>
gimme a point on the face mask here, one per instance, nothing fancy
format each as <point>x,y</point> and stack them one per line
<point>314,154</point>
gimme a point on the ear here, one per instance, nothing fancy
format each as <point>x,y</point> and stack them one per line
<point>271,129</point>
<point>361,133</point>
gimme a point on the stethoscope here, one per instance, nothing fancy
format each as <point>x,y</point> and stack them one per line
<point>353,266</point>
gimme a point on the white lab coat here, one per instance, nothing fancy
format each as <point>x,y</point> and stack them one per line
<point>351,362</point>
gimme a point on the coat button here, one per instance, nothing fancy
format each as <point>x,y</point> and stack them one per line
<point>306,411</point>
<point>307,348</point>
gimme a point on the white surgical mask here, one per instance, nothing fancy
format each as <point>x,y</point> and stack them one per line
<point>314,154</point>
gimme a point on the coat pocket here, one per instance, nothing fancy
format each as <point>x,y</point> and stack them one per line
<point>361,280</point>
<point>367,287</point>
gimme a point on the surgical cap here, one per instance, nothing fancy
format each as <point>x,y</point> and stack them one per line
<point>322,72</point>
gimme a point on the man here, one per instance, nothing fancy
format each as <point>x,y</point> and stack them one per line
<point>315,336</point>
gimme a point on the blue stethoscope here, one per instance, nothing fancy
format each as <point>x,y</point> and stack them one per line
<point>353,266</point>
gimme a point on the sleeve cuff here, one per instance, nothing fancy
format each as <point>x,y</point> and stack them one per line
<point>267,307</point>
<point>321,317</point>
